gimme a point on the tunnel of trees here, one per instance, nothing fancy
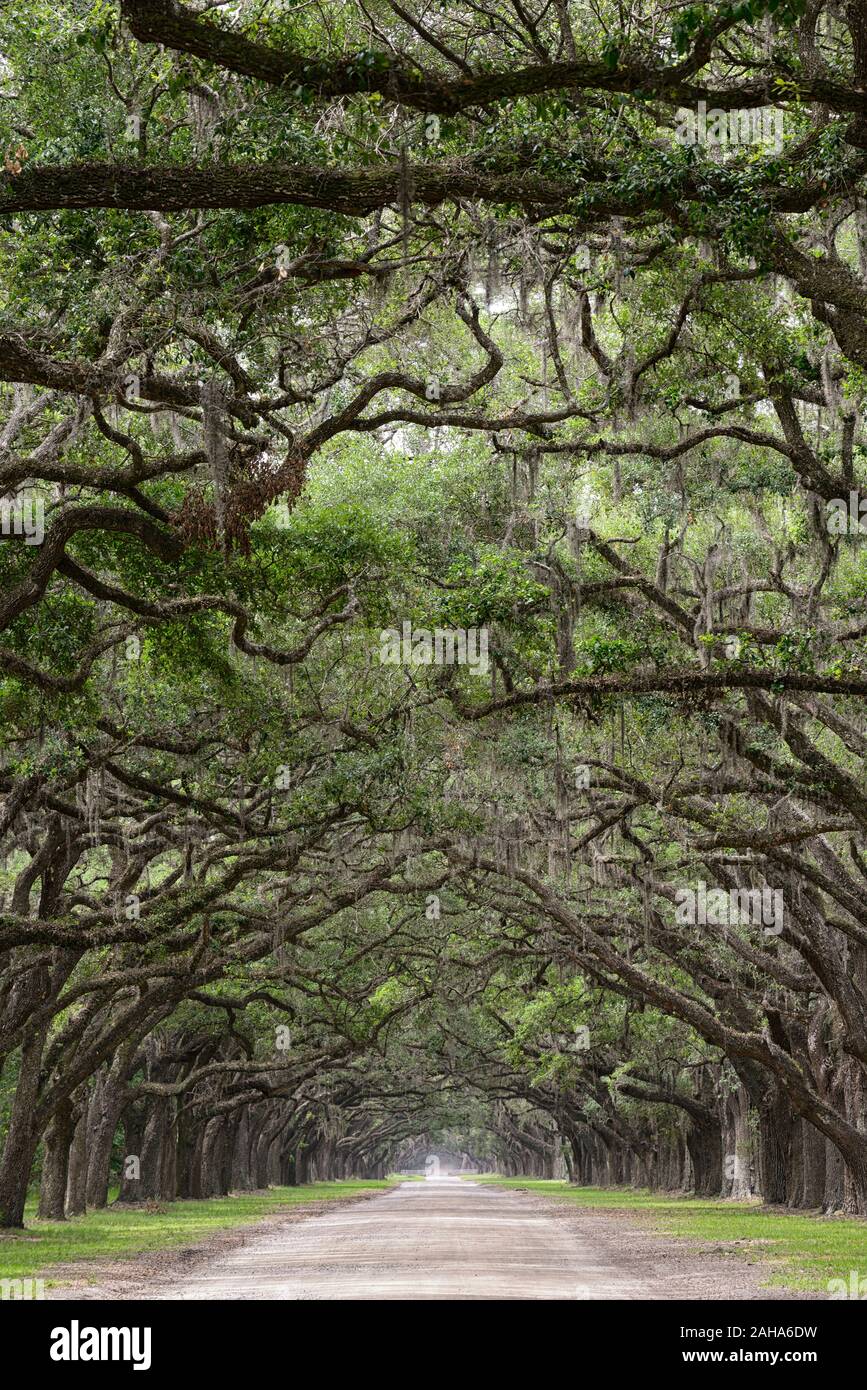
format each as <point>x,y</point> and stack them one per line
<point>327,328</point>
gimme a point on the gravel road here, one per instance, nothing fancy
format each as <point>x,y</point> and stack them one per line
<point>452,1239</point>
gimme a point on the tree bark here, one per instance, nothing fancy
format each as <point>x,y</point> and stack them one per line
<point>55,1163</point>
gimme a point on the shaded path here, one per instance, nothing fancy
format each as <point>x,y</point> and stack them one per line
<point>440,1239</point>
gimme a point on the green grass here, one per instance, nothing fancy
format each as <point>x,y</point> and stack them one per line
<point>802,1251</point>
<point>118,1232</point>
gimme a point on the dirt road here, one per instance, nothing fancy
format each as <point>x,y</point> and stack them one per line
<point>453,1239</point>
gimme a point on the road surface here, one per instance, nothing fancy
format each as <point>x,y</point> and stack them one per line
<point>443,1238</point>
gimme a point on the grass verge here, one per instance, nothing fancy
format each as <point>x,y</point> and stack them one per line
<point>118,1232</point>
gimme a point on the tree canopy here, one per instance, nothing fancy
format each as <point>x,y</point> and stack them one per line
<point>432,623</point>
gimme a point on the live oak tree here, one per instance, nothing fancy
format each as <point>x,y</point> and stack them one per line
<point>314,325</point>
